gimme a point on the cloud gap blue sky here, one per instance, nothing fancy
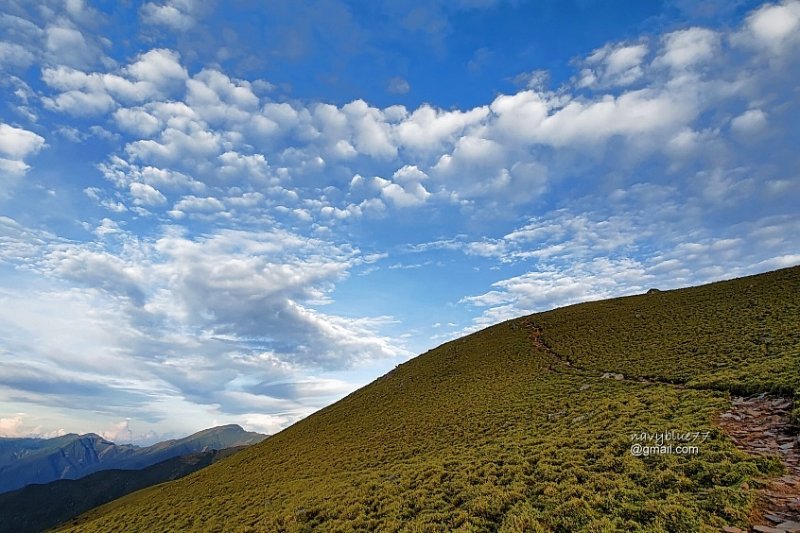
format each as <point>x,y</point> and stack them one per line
<point>217,212</point>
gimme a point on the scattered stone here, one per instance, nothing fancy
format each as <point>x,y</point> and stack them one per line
<point>731,529</point>
<point>584,387</point>
<point>768,529</point>
<point>760,425</point>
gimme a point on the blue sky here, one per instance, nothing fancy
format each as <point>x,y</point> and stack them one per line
<point>229,213</point>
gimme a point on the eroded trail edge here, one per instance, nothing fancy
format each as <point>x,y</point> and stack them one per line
<point>758,425</point>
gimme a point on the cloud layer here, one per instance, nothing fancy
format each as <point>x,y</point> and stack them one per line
<point>225,250</point>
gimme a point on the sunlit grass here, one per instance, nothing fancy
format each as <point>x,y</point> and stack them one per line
<point>478,435</point>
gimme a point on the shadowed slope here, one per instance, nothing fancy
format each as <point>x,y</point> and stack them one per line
<point>39,507</point>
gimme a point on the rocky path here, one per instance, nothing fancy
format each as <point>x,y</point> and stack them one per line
<point>758,425</point>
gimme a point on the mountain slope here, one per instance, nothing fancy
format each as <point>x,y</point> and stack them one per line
<point>515,428</point>
<point>26,461</point>
<point>40,507</point>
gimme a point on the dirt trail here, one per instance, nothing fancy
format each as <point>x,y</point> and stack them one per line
<point>561,363</point>
<point>758,425</point>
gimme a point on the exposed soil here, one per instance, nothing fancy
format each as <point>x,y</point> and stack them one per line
<point>760,425</point>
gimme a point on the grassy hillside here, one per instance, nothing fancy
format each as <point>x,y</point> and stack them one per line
<point>492,432</point>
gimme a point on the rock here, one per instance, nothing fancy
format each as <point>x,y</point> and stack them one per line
<point>790,526</point>
<point>584,387</point>
<point>774,518</point>
<point>731,529</point>
<point>653,291</point>
<point>768,529</point>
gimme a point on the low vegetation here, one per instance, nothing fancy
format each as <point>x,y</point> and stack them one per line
<point>492,433</point>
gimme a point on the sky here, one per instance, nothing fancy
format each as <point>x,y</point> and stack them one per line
<point>239,212</point>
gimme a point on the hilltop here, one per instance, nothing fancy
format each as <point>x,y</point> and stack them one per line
<point>524,426</point>
<point>24,461</point>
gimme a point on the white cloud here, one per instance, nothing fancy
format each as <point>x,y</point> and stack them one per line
<point>773,26</point>
<point>406,195</point>
<point>122,173</point>
<point>175,14</point>
<point>15,55</point>
<point>204,319</point>
<point>137,121</point>
<point>144,194</point>
<point>428,129</point>
<point>688,48</point>
<point>519,116</point>
<point>613,66</point>
<point>371,135</point>
<point>68,46</point>
<point>119,432</point>
<point>159,66</point>
<point>15,145</point>
<point>79,103</point>
<point>241,167</point>
<point>217,99</point>
<point>18,143</point>
<point>398,85</point>
<point>750,122</point>
<point>173,145</point>
<point>15,426</point>
<point>11,426</point>
<point>193,203</point>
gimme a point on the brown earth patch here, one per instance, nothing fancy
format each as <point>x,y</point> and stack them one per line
<point>760,425</point>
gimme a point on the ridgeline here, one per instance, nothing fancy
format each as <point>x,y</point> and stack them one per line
<point>525,426</point>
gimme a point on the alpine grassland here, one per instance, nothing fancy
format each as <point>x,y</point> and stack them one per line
<point>515,428</point>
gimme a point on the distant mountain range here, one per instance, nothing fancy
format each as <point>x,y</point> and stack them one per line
<point>25,461</point>
<point>37,507</point>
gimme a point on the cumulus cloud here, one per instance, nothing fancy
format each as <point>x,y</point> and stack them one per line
<point>16,426</point>
<point>750,122</point>
<point>428,128</point>
<point>647,99</point>
<point>174,14</point>
<point>654,144</point>
<point>772,27</point>
<point>689,48</point>
<point>154,74</point>
<point>144,194</point>
<point>159,66</point>
<point>371,134</point>
<point>613,65</point>
<point>16,144</point>
<point>12,54</point>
